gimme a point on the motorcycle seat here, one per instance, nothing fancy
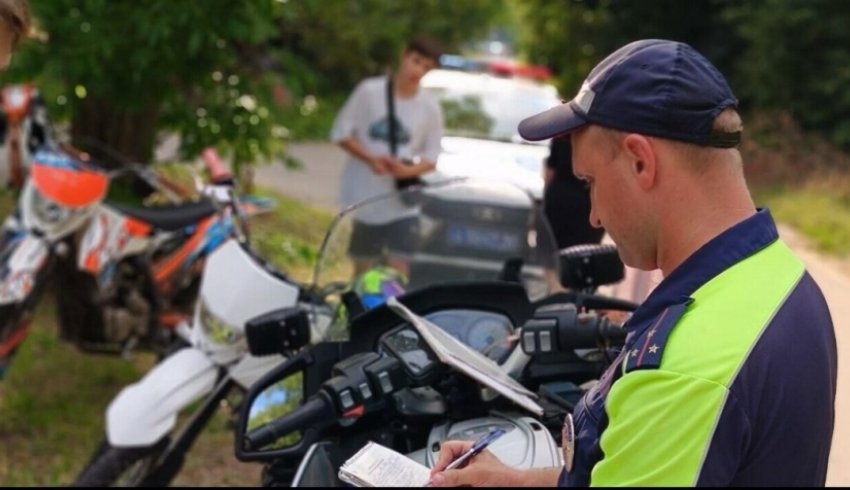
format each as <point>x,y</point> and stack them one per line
<point>169,217</point>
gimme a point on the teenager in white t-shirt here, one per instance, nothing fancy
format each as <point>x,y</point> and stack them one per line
<point>362,130</point>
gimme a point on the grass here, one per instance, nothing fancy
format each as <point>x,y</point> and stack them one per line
<point>801,177</point>
<point>290,236</point>
<point>823,217</point>
<point>53,398</point>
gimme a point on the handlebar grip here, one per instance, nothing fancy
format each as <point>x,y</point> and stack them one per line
<point>218,172</point>
<point>318,410</point>
<point>614,333</point>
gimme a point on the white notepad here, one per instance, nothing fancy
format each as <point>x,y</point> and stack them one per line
<point>375,465</point>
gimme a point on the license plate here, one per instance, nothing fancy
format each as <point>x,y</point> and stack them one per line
<point>482,239</point>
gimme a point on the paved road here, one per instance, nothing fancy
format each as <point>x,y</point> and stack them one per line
<point>319,181</point>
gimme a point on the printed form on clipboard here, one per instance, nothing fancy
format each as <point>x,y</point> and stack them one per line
<point>456,354</point>
<point>375,465</point>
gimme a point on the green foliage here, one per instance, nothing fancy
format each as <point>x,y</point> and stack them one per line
<point>571,37</point>
<point>311,117</point>
<point>341,41</point>
<point>777,54</point>
<point>221,73</point>
<point>797,60</point>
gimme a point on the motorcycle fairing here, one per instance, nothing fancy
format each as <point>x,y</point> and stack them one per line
<point>20,268</point>
<point>234,289</point>
<point>144,412</point>
<point>110,237</point>
<point>65,181</point>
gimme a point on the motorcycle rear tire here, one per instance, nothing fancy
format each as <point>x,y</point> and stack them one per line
<point>109,464</point>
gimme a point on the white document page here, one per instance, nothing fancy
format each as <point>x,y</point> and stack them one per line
<point>456,354</point>
<point>379,466</point>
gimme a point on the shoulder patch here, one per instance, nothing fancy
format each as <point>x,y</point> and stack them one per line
<point>647,349</point>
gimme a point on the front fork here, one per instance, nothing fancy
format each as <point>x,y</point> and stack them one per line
<point>171,460</point>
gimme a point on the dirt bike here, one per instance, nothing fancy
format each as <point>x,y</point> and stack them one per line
<point>64,229</point>
<point>144,444</point>
<point>138,269</point>
<point>410,389</point>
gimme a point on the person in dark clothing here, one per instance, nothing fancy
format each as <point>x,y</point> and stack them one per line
<point>566,200</point>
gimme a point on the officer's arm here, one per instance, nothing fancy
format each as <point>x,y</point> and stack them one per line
<point>661,427</point>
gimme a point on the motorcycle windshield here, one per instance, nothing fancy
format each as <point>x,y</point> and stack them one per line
<point>457,230</point>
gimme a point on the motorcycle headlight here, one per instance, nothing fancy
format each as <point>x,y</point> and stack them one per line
<point>49,212</point>
<point>217,330</point>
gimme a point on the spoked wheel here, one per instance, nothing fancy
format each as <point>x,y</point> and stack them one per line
<point>123,467</point>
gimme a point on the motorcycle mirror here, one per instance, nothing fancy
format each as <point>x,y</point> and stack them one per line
<point>282,392</point>
<point>278,332</point>
<point>275,400</point>
<point>586,267</point>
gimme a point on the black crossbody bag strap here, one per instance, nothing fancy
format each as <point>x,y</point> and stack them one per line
<point>391,116</point>
<point>393,133</point>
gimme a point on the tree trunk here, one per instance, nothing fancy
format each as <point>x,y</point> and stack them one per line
<point>129,132</point>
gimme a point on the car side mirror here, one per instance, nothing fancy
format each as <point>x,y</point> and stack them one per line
<point>278,332</point>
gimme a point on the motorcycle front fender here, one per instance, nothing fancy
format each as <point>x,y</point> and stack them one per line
<point>22,266</point>
<point>144,412</point>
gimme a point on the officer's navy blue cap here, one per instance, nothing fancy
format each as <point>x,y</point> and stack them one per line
<point>652,87</point>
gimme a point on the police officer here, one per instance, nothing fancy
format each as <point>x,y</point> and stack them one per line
<point>728,373</point>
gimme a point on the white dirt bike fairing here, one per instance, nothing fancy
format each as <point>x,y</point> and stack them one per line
<point>24,263</point>
<point>144,412</point>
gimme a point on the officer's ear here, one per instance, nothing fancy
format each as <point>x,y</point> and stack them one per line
<point>642,159</point>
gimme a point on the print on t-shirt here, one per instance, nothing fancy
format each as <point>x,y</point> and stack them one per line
<point>380,130</point>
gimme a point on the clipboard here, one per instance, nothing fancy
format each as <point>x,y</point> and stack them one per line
<point>468,361</point>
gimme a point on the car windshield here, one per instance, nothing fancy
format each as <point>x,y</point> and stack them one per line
<point>487,107</point>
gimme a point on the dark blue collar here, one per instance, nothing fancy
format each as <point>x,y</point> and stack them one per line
<point>730,247</point>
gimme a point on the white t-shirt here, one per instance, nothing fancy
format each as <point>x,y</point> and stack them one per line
<point>419,129</point>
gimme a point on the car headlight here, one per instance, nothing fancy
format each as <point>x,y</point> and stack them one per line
<point>217,330</point>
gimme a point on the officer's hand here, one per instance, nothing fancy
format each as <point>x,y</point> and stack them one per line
<point>483,470</point>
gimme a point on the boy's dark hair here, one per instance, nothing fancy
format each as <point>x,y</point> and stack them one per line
<point>16,15</point>
<point>426,46</point>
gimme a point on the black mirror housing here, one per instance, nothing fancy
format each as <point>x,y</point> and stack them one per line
<point>586,267</point>
<point>278,332</point>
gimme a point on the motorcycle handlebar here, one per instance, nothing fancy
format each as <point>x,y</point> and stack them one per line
<point>317,410</point>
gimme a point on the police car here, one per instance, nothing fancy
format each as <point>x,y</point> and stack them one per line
<point>482,103</point>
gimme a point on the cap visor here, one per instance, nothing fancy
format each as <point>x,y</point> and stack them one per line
<point>556,121</point>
